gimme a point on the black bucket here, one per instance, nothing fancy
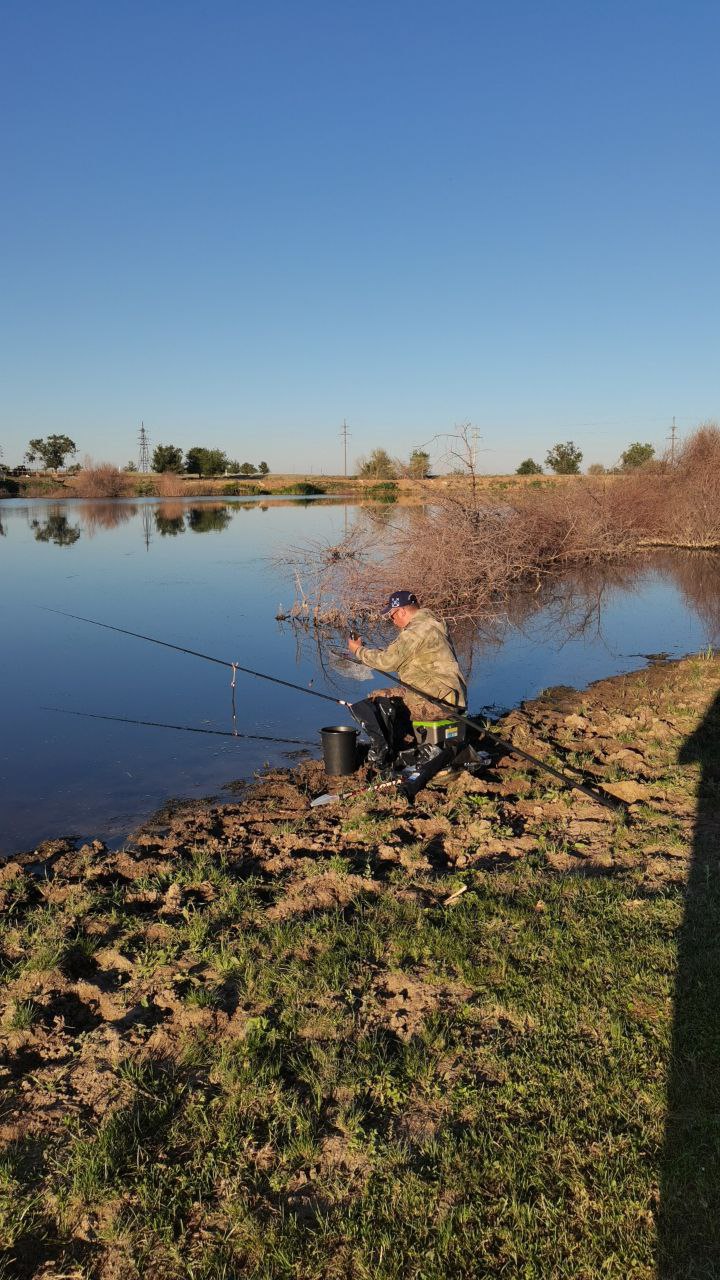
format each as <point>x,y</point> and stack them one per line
<point>339,744</point>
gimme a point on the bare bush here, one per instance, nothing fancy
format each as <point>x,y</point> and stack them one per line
<point>168,484</point>
<point>693,514</point>
<point>464,555</point>
<point>103,480</point>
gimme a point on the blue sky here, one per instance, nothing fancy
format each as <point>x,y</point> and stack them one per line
<point>242,223</point>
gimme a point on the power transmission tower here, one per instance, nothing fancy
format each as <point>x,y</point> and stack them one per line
<point>672,438</point>
<point>344,434</point>
<point>144,442</point>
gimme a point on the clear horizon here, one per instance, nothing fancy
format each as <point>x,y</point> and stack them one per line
<point>242,226</point>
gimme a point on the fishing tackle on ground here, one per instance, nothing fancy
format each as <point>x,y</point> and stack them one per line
<point>470,722</point>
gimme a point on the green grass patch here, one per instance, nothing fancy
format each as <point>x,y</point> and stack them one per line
<point>303,488</point>
<point>386,492</point>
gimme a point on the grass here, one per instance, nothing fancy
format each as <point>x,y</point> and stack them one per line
<point>387,491</point>
<point>521,1125</point>
<point>302,487</point>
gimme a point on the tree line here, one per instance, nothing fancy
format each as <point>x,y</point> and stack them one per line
<point>53,451</point>
<point>201,461</point>
<point>564,459</point>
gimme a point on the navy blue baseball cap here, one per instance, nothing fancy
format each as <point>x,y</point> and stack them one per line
<point>398,600</point>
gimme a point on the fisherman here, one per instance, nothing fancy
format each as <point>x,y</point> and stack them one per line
<point>423,656</point>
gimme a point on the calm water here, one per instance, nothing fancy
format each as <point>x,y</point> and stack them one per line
<point>206,575</point>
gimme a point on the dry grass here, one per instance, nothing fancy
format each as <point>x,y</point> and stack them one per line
<point>104,480</point>
<point>170,485</point>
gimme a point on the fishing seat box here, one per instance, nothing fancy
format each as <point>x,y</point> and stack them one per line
<point>438,733</point>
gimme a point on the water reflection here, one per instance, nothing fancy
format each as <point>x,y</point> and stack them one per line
<point>575,628</point>
<point>210,518</point>
<point>697,574</point>
<point>105,515</point>
<point>170,520</point>
<point>56,528</point>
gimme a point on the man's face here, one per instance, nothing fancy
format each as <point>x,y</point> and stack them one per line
<point>399,617</point>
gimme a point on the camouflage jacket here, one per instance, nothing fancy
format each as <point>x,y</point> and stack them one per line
<point>423,656</point>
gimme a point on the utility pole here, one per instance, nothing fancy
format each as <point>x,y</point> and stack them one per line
<point>672,442</point>
<point>344,433</point>
<point>144,442</point>
<point>475,448</point>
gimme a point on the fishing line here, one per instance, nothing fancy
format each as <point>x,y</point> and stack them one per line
<point>183,728</point>
<point>232,700</point>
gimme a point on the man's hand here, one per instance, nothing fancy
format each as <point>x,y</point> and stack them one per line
<point>354,643</point>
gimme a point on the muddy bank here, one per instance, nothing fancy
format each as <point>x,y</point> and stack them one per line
<point>119,964</point>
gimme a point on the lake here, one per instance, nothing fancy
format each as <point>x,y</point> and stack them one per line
<point>143,565</point>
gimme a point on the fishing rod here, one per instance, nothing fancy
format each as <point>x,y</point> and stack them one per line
<point>221,662</point>
<point>184,728</point>
<point>474,723</point>
<point>330,797</point>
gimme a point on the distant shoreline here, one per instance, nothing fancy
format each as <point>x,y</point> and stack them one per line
<point>167,485</point>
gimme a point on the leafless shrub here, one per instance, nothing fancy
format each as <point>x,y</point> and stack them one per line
<point>103,480</point>
<point>693,514</point>
<point>170,485</point>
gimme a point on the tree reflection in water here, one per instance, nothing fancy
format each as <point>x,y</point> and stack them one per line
<point>697,574</point>
<point>210,518</point>
<point>170,519</point>
<point>56,528</point>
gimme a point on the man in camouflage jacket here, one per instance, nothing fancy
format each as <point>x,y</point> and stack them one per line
<point>423,656</point>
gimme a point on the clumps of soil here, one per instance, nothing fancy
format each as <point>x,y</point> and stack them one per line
<point>321,893</point>
<point>402,1002</point>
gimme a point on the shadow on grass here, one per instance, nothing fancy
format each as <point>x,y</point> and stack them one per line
<point>689,1225</point>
